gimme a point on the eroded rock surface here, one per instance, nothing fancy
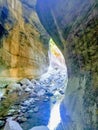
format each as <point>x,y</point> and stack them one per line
<point>74,26</point>
<point>23,41</point>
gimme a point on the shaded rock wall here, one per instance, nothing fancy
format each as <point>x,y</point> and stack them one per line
<point>74,27</point>
<point>23,40</point>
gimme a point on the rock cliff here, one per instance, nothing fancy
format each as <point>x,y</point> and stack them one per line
<point>74,28</point>
<point>73,25</point>
<point>23,40</point>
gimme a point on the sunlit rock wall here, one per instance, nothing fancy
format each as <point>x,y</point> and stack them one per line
<point>73,25</point>
<point>23,41</point>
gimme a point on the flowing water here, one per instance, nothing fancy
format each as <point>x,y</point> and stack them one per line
<point>43,110</point>
<point>48,113</point>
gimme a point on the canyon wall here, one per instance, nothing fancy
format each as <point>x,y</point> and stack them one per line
<point>73,25</point>
<point>23,40</point>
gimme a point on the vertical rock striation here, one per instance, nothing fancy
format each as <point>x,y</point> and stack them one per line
<point>23,41</point>
<point>74,27</point>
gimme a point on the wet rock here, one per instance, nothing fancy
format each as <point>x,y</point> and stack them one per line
<point>26,103</point>
<point>25,82</point>
<point>31,86</point>
<point>23,109</point>
<point>19,93</point>
<point>41,92</point>
<point>22,119</point>
<point>37,88</point>
<point>61,92</point>
<point>34,81</point>
<point>24,86</point>
<point>31,111</point>
<point>27,89</point>
<point>36,99</point>
<point>46,99</point>
<point>3,97</point>
<point>52,88</point>
<point>2,123</point>
<point>40,128</point>
<point>11,111</point>
<point>33,106</point>
<point>54,102</point>
<point>36,109</point>
<point>27,115</point>
<point>49,94</point>
<point>9,114</point>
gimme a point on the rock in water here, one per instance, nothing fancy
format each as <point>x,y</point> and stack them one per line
<point>12,125</point>
<point>25,81</point>
<point>14,87</point>
<point>2,123</point>
<point>40,128</point>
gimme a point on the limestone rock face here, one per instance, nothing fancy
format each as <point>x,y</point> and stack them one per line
<point>23,41</point>
<point>74,26</point>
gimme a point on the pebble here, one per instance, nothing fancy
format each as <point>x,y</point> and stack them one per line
<point>22,119</point>
<point>33,106</point>
<point>27,89</point>
<point>27,115</point>
<point>24,86</point>
<point>23,110</point>
<point>49,94</point>
<point>26,103</point>
<point>37,99</point>
<point>61,92</point>
<point>33,81</point>
<point>36,109</point>
<point>11,111</point>
<point>41,92</point>
<point>31,111</point>
<point>25,81</point>
<point>46,99</point>
<point>37,89</point>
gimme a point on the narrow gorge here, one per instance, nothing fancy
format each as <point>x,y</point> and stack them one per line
<point>48,65</point>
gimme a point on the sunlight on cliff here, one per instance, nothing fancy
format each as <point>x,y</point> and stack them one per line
<point>55,55</point>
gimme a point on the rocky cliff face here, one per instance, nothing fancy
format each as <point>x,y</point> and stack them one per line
<point>74,26</point>
<point>23,41</point>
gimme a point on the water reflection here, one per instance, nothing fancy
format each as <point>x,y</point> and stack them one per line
<point>54,117</point>
<point>39,118</point>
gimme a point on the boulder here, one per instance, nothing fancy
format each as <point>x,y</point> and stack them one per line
<point>12,125</point>
<point>14,87</point>
<point>25,82</point>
